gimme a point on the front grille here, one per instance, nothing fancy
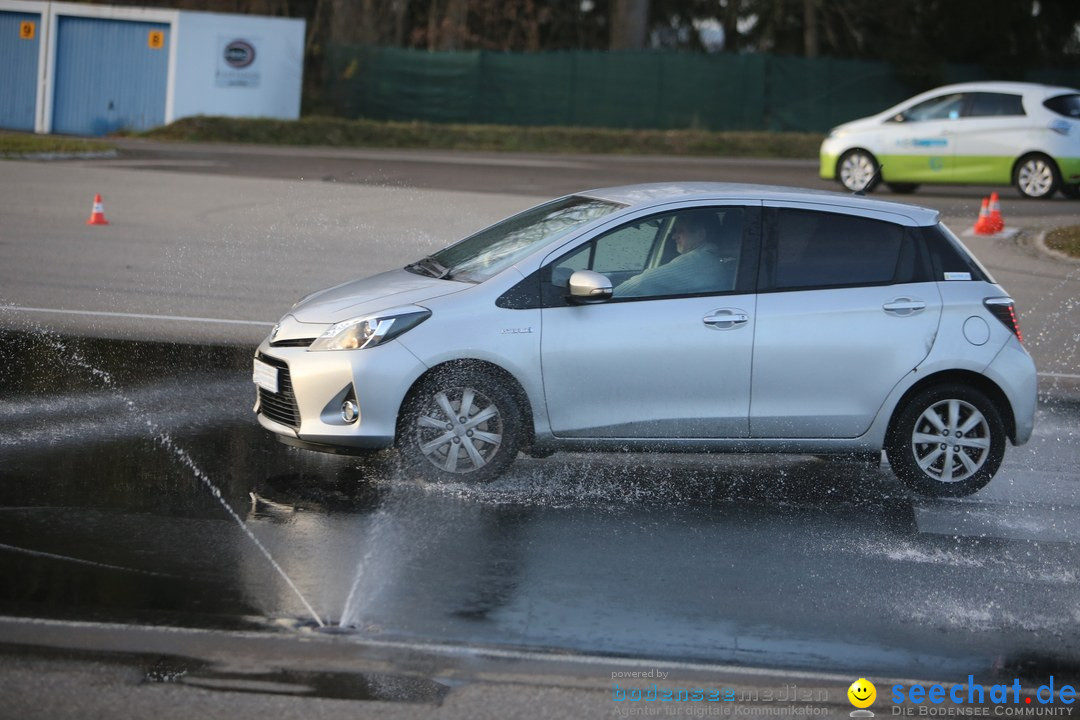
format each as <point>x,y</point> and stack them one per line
<point>280,406</point>
<point>294,343</point>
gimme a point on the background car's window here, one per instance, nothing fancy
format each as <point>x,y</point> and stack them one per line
<point>647,259</point>
<point>945,107</point>
<point>817,249</point>
<point>1067,105</point>
<point>985,104</point>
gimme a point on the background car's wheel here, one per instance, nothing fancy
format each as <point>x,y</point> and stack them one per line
<point>1036,176</point>
<point>857,171</point>
<point>1071,191</point>
<point>947,441</point>
<point>902,188</point>
<point>459,424</point>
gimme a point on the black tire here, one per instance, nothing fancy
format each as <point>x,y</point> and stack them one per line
<point>955,465</point>
<point>857,171</point>
<point>475,449</point>
<point>902,188</point>
<point>1036,176</point>
<point>1070,191</point>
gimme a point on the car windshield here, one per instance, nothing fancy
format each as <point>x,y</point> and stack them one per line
<point>481,256</point>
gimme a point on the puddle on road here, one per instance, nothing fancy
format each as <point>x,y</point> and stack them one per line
<point>733,559</point>
<point>113,669</point>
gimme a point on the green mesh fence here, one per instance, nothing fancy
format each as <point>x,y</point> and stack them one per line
<point>629,89</point>
<point>816,94</point>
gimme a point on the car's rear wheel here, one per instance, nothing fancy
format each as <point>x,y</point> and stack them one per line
<point>459,424</point>
<point>857,171</point>
<point>1036,176</point>
<point>947,441</point>
<point>902,188</point>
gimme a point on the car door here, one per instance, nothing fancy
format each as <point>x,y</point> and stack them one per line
<point>991,135</point>
<point>920,141</point>
<point>846,309</point>
<point>661,362</point>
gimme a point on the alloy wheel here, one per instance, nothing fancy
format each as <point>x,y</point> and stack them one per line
<point>459,430</point>
<point>857,170</point>
<point>951,441</point>
<point>1035,178</point>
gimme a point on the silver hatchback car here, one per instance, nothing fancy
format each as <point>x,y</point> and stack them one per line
<point>698,317</point>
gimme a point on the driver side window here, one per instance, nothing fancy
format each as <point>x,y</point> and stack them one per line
<point>690,252</point>
<point>945,107</point>
<point>619,255</point>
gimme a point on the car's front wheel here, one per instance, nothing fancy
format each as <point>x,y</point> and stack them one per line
<point>1036,176</point>
<point>459,424</point>
<point>947,441</point>
<point>857,171</point>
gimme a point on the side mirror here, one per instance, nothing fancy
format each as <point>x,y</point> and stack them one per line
<point>587,286</point>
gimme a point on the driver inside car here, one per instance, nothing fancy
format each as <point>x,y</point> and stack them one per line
<point>701,265</point>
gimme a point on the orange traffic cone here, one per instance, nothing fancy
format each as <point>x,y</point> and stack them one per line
<point>982,225</point>
<point>97,215</point>
<point>997,223</point>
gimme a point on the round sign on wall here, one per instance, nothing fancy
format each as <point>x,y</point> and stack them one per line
<point>239,54</point>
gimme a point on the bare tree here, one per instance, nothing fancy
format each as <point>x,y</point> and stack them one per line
<point>453,26</point>
<point>629,22</point>
<point>810,28</point>
<point>367,22</point>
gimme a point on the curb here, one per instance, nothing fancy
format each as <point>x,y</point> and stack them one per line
<point>47,156</point>
<point>1039,241</point>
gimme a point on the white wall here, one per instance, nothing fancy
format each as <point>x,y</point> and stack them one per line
<point>269,87</point>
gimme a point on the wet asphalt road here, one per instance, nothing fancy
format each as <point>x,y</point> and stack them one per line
<point>113,451</point>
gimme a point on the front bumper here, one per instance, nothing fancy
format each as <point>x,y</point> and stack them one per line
<point>376,378</point>
<point>828,155</point>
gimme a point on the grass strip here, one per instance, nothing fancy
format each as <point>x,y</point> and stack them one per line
<point>501,138</point>
<point>22,145</point>
<point>1065,239</point>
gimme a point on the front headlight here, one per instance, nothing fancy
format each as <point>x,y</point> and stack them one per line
<point>365,332</point>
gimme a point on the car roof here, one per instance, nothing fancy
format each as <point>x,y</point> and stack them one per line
<point>656,194</point>
<point>1002,86</point>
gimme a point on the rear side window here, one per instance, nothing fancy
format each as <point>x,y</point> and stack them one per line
<point>949,258</point>
<point>985,104</point>
<point>810,249</point>
<point>1067,105</point>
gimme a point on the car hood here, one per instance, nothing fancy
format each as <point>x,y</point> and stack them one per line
<point>371,295</point>
<point>873,122</point>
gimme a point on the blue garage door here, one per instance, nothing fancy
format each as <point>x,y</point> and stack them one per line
<point>20,35</point>
<point>110,75</point>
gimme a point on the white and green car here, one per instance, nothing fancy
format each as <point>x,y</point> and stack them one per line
<point>987,133</point>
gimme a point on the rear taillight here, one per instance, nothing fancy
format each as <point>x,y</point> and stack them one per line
<point>1004,309</point>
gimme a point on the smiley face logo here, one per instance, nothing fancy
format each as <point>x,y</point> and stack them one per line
<point>862,693</point>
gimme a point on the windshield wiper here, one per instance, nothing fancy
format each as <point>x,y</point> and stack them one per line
<point>429,266</point>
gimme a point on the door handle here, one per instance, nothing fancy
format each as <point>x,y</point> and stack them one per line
<point>726,319</point>
<point>904,306</point>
